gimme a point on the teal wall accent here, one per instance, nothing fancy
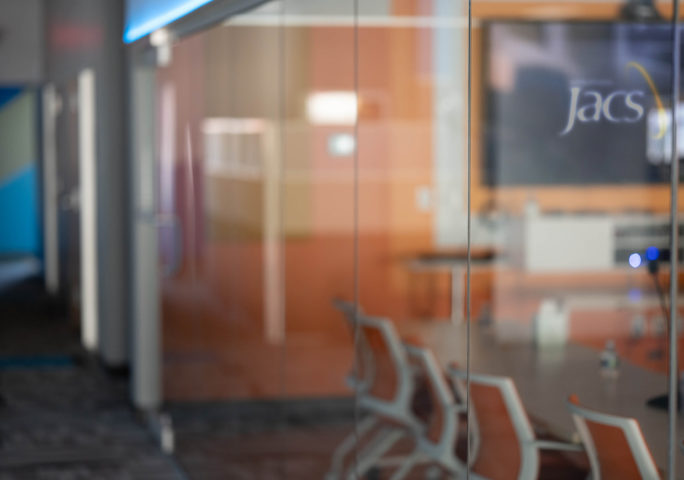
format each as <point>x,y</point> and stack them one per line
<point>19,214</point>
<point>19,231</point>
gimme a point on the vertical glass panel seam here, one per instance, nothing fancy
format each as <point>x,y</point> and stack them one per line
<point>355,233</point>
<point>468,233</point>
<point>674,246</point>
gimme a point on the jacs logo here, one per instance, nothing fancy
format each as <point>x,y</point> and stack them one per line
<point>618,106</point>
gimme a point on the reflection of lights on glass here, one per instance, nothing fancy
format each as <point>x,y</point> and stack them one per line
<point>635,260</point>
<point>234,146</point>
<point>147,18</point>
<point>341,144</point>
<point>331,108</point>
<point>652,253</point>
<point>232,126</point>
<point>160,37</point>
<point>634,295</point>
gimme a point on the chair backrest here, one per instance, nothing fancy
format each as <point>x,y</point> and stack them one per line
<point>346,307</point>
<point>506,451</point>
<point>441,421</point>
<point>361,377</point>
<point>615,445</point>
<point>392,377</point>
<point>382,365</point>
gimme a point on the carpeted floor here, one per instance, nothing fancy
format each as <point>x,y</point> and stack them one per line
<point>62,417</point>
<point>295,440</point>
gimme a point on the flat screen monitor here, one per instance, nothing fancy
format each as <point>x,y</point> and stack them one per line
<point>577,103</point>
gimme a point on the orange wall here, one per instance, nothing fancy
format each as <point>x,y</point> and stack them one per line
<point>214,343</point>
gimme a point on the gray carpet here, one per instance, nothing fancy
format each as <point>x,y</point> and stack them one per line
<point>62,417</point>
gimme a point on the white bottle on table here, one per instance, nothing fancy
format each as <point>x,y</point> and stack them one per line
<point>609,360</point>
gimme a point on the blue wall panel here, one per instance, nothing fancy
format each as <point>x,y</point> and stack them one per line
<point>19,213</point>
<point>7,94</point>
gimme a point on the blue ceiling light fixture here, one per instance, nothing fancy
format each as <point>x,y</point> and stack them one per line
<point>652,253</point>
<point>145,16</point>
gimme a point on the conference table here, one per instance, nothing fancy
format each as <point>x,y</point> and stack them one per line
<point>454,261</point>
<point>545,378</point>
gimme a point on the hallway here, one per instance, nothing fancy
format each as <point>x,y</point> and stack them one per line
<point>61,415</point>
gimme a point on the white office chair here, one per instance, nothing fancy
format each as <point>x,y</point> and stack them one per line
<point>437,444</point>
<point>615,445</point>
<point>385,386</point>
<point>508,448</point>
<point>356,380</point>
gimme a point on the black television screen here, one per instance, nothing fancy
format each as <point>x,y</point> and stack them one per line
<point>577,103</point>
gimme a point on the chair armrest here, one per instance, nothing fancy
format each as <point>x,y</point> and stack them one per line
<point>550,445</point>
<point>413,349</point>
<point>459,408</point>
<point>416,352</point>
<point>355,384</point>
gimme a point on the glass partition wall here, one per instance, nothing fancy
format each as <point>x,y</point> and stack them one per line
<point>419,239</point>
<point>571,163</point>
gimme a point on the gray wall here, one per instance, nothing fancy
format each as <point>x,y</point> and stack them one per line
<point>88,34</point>
<point>21,41</point>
